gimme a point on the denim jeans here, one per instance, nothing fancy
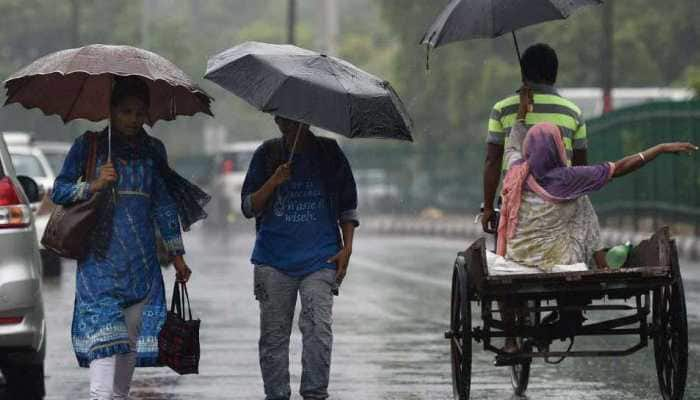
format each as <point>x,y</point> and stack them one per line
<point>277,294</point>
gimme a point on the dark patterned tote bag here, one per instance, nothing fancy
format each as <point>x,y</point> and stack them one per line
<point>178,340</point>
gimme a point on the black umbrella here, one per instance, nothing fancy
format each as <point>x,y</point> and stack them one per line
<point>313,88</point>
<point>474,19</point>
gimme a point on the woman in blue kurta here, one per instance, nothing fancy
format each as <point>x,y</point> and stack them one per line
<point>119,286</point>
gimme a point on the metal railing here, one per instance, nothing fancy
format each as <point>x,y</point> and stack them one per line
<point>667,190</point>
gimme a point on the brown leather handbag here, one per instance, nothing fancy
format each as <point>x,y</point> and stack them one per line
<point>68,230</point>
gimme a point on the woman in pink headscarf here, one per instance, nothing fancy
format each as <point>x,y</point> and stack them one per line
<point>546,216</point>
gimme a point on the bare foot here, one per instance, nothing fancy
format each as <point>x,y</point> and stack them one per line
<point>510,346</point>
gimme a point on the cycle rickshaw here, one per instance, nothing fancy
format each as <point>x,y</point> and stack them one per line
<point>646,296</point>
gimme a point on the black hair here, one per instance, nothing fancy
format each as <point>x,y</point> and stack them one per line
<point>129,86</point>
<point>540,64</point>
<point>284,120</point>
<point>281,119</point>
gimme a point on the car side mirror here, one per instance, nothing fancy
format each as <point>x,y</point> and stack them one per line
<point>30,187</point>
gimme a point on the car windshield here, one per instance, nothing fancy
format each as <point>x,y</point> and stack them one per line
<point>55,160</point>
<point>29,165</point>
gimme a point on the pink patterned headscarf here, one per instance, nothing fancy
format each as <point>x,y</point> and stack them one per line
<point>544,170</point>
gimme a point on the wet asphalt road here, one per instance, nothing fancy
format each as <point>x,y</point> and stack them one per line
<point>389,323</point>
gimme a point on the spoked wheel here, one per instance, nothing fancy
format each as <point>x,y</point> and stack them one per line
<point>460,334</point>
<point>671,339</point>
<point>520,373</point>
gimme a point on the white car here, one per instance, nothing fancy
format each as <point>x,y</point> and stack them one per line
<point>29,160</point>
<point>22,322</point>
<point>375,191</point>
<point>233,161</point>
<point>55,153</point>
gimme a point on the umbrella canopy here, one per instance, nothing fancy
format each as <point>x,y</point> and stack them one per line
<point>77,83</point>
<point>473,19</point>
<point>313,88</point>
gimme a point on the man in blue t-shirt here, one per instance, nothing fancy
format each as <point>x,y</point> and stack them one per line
<point>305,213</point>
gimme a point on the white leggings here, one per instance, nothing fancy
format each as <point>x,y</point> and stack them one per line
<point>110,377</point>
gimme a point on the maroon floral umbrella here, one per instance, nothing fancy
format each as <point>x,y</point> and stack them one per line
<point>77,83</point>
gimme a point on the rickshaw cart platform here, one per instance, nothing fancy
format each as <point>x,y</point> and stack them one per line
<point>646,294</point>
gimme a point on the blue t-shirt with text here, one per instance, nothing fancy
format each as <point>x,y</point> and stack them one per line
<point>298,235</point>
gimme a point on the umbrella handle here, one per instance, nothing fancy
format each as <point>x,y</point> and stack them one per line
<point>294,146</point>
<point>109,157</point>
<point>109,142</point>
<point>520,61</point>
<point>173,106</point>
<point>427,57</point>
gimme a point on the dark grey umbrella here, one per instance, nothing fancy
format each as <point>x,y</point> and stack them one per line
<point>314,88</point>
<point>474,19</point>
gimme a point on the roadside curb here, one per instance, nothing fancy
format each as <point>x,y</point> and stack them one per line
<point>464,227</point>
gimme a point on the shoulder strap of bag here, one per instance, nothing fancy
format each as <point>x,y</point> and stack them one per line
<point>92,157</point>
<point>331,163</point>
<point>273,149</point>
<point>273,153</point>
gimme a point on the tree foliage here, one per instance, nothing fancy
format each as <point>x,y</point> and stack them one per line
<point>654,45</point>
<point>186,32</point>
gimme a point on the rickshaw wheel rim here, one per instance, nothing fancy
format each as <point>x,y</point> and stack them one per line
<point>520,373</point>
<point>460,343</point>
<point>671,340</point>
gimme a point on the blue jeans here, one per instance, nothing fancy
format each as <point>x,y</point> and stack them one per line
<point>277,294</point>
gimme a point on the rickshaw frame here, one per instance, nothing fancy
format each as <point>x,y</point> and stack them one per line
<point>650,277</point>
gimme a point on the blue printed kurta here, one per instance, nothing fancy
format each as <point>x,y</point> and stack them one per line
<point>130,272</point>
